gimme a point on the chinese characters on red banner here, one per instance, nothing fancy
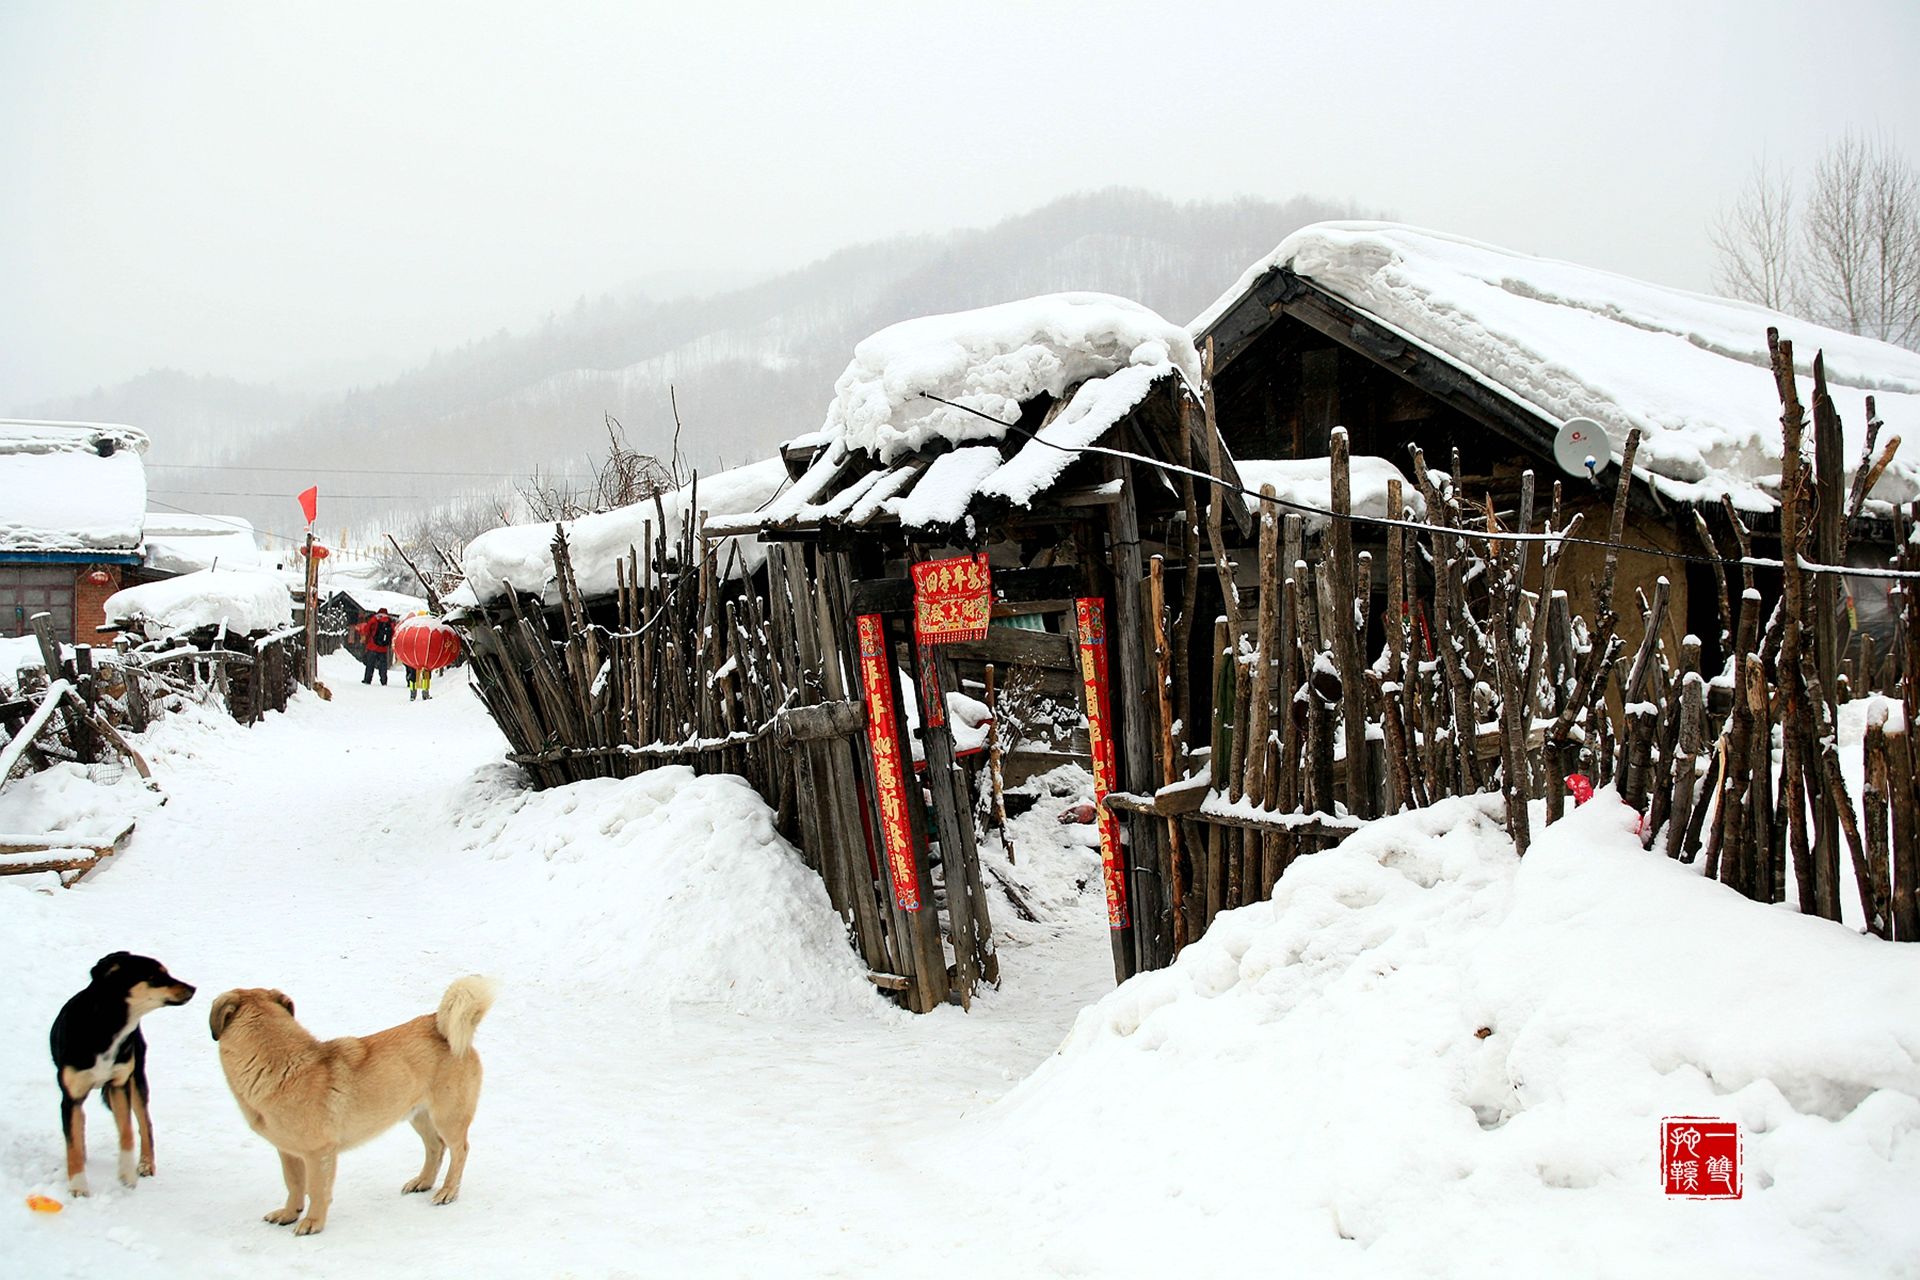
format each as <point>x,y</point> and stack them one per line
<point>1700,1158</point>
<point>876,673</point>
<point>952,599</point>
<point>1091,617</point>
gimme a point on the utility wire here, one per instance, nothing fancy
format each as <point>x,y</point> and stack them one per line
<point>348,471</point>
<point>237,524</point>
<point>1480,535</point>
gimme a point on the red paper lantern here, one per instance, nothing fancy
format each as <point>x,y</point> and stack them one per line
<point>100,577</point>
<point>425,644</point>
<point>319,552</point>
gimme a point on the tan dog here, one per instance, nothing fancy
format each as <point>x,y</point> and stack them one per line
<point>313,1099</point>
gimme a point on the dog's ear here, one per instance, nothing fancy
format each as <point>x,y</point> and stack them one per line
<point>280,998</point>
<point>222,1012</point>
<point>107,964</point>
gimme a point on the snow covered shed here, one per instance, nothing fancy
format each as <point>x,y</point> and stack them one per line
<point>235,626</point>
<point>1412,337</point>
<point>73,496</point>
<point>347,608</point>
<point>1025,437</point>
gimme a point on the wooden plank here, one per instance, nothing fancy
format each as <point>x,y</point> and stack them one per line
<point>1016,646</point>
<point>821,720</point>
<point>980,914</point>
<point>1011,586</point>
<point>1310,824</point>
<point>1135,708</point>
<point>936,739</point>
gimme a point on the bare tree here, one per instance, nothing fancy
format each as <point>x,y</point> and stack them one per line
<point>435,541</point>
<point>1861,241</point>
<point>1849,256</point>
<point>620,479</point>
<point>1754,240</point>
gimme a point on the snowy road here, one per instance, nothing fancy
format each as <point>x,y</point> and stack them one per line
<point>1424,1058</point>
<point>333,853</point>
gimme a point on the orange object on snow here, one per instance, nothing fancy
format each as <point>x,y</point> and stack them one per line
<point>44,1204</point>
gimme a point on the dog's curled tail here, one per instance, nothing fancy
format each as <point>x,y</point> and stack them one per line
<point>466,1002</point>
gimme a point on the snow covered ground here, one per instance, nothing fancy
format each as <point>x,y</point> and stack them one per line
<point>686,1074</point>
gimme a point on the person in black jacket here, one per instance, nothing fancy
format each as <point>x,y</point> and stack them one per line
<point>376,633</point>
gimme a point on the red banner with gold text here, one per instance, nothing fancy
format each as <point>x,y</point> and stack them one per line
<point>952,599</point>
<point>1091,615</point>
<point>896,830</point>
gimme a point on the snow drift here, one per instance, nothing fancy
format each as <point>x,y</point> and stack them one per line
<point>671,887</point>
<point>1426,1057</point>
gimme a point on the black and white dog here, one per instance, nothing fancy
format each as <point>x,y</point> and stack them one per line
<point>97,1044</point>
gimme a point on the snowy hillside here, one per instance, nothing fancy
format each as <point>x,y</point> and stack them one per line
<point>750,366</point>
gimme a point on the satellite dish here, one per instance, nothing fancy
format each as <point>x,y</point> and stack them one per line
<point>1582,448</point>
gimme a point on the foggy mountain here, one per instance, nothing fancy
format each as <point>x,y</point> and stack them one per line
<point>748,367</point>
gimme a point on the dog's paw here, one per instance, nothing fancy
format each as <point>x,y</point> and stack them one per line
<point>309,1227</point>
<point>77,1186</point>
<point>418,1184</point>
<point>281,1217</point>
<point>129,1176</point>
<point>146,1168</point>
<point>446,1195</point>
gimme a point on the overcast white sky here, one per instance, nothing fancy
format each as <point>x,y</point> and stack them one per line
<point>258,188</point>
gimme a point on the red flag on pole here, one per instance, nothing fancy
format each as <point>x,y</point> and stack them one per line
<point>310,503</point>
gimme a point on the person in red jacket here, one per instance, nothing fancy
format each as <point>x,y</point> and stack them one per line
<point>376,634</point>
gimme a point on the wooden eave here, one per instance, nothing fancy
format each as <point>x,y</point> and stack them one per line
<point>1152,428</point>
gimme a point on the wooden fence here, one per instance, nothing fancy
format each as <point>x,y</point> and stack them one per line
<point>1489,682</point>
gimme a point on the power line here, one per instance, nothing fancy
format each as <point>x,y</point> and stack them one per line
<point>349,471</point>
<point>237,524</point>
<point>1758,562</point>
<point>331,497</point>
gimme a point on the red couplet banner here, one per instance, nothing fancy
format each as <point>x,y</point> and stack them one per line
<point>1091,615</point>
<point>952,599</point>
<point>876,674</point>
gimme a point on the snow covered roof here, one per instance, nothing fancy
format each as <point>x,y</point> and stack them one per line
<point>180,543</point>
<point>522,555</point>
<point>992,360</point>
<point>247,601</point>
<point>373,599</point>
<point>1308,482</point>
<point>1562,341</point>
<point>1092,358</point>
<point>71,487</point>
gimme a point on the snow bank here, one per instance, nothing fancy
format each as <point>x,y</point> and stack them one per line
<point>17,652</point>
<point>59,493</point>
<point>1564,341</point>
<point>177,543</point>
<point>522,555</point>
<point>74,802</point>
<point>672,888</point>
<point>1426,1057</point>
<point>1308,482</point>
<point>992,360</point>
<point>247,602</point>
